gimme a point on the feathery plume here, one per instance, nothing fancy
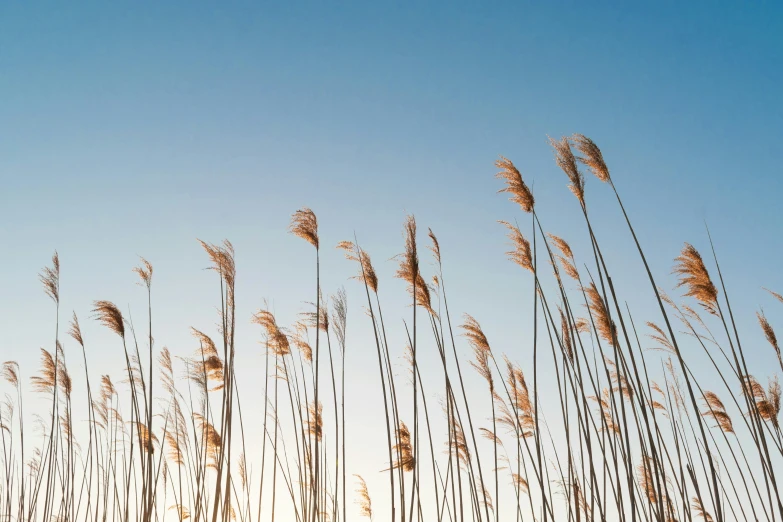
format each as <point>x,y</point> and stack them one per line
<point>435,248</point>
<point>521,253</point>
<point>769,333</point>
<point>11,373</point>
<point>364,502</point>
<point>565,159</point>
<point>718,412</point>
<point>404,449</point>
<point>515,186</point>
<point>304,224</point>
<point>591,157</point>
<point>698,508</point>
<point>50,278</point>
<point>278,341</point>
<point>367,272</point>
<point>775,295</point>
<point>409,268</point>
<point>109,316</point>
<point>603,322</point>
<point>144,272</point>
<point>694,276</point>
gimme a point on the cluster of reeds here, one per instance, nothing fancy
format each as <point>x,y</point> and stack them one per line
<point>636,435</point>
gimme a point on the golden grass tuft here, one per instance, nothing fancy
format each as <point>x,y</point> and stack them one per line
<point>515,186</point>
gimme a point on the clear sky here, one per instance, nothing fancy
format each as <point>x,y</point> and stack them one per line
<point>129,129</point>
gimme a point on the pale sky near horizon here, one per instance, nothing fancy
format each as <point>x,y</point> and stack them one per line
<point>129,129</point>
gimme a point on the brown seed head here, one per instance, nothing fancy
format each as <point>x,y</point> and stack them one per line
<point>591,157</point>
<point>565,159</point>
<point>109,316</point>
<point>521,253</point>
<point>304,224</point>
<point>694,276</point>
<point>515,186</point>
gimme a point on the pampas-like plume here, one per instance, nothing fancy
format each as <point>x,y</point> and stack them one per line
<point>364,501</point>
<point>50,278</point>
<point>367,272</point>
<point>340,316</point>
<point>304,224</point>
<point>767,402</point>
<point>182,511</point>
<point>478,341</point>
<point>603,323</point>
<point>146,439</point>
<point>210,438</point>
<point>435,248</point>
<point>694,276</point>
<point>520,254</point>
<point>144,272</point>
<point>278,341</point>
<point>565,159</point>
<point>222,257</point>
<point>109,316</point>
<point>300,341</point>
<point>661,337</point>
<point>700,511</point>
<point>769,333</point>
<point>718,412</point>
<point>206,365</point>
<point>316,422</point>
<point>475,334</point>
<point>44,382</point>
<point>520,193</point>
<point>520,399</point>
<point>63,377</point>
<point>567,257</point>
<point>75,331</point>
<point>568,345</point>
<point>11,373</point>
<point>775,295</point>
<point>409,268</point>
<point>591,157</point>
<point>520,482</point>
<point>404,449</point>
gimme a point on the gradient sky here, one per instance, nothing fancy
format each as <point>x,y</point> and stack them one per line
<point>130,130</point>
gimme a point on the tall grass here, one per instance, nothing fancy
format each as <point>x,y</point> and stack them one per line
<point>634,428</point>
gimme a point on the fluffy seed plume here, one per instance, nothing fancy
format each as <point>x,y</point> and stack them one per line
<point>521,253</point>
<point>75,330</point>
<point>694,277</point>
<point>717,411</point>
<point>222,257</point>
<point>409,268</point>
<point>435,248</point>
<point>363,501</point>
<point>144,272</point>
<point>278,341</point>
<point>11,373</point>
<point>366,270</point>
<point>304,224</point>
<point>50,278</point>
<point>769,333</point>
<point>515,186</point>
<point>478,341</point>
<point>405,459</point>
<point>591,157</point>
<point>109,316</point>
<point>698,508</point>
<point>603,322</point>
<point>566,160</point>
<point>775,295</point>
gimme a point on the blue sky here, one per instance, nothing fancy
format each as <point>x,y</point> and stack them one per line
<point>131,130</point>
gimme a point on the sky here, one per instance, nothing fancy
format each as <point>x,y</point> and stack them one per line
<point>131,130</point>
